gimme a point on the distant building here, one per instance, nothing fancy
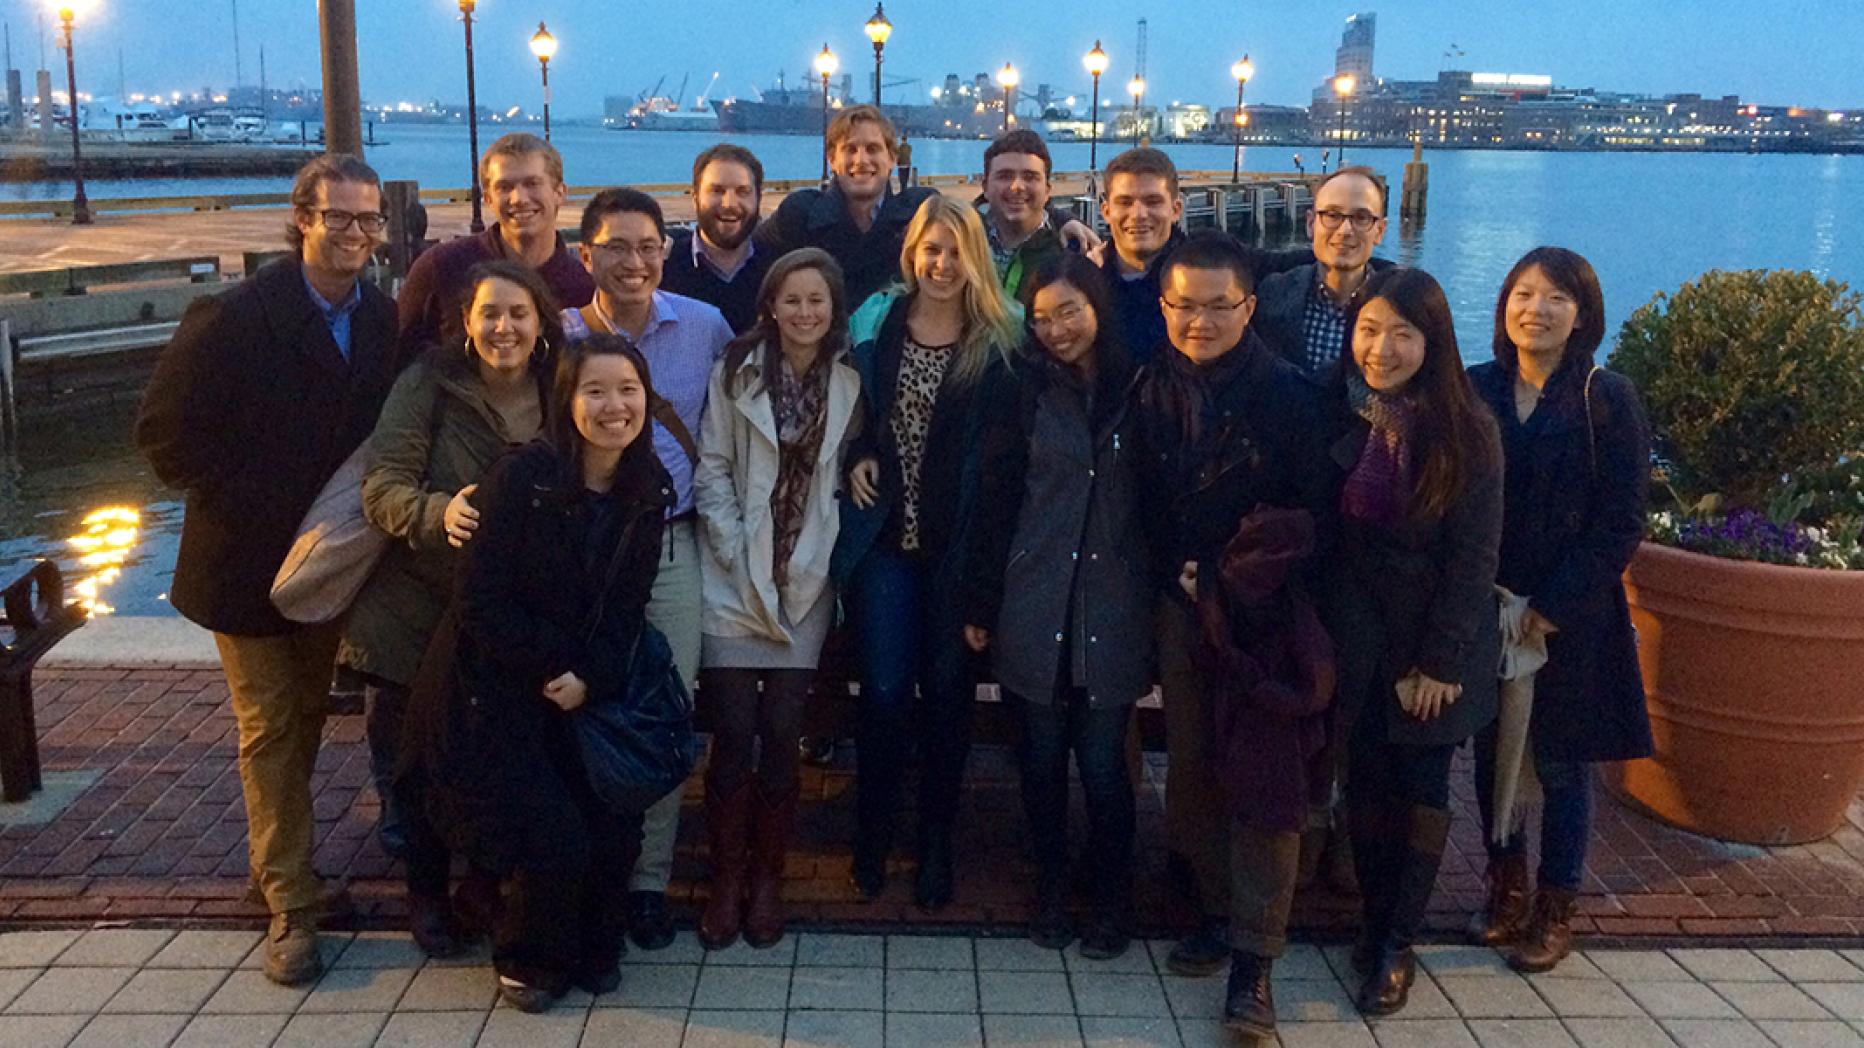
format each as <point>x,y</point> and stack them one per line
<point>1354,56</point>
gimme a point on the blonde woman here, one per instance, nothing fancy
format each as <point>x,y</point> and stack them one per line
<point>933,354</point>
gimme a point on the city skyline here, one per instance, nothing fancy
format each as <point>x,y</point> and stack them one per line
<point>1291,46</point>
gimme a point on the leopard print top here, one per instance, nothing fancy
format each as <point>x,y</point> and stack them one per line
<point>922,370</point>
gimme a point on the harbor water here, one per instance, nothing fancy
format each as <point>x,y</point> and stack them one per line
<point>79,493</point>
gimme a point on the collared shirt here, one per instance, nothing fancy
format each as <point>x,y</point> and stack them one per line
<point>683,339</point>
<point>1323,327</point>
<point>700,258</point>
<point>690,272</point>
<point>1002,253</point>
<point>337,316</point>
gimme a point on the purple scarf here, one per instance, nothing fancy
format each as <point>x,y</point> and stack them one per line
<point>1379,487</point>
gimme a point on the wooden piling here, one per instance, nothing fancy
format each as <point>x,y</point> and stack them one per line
<point>1413,198</point>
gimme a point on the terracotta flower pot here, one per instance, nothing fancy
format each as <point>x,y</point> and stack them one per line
<point>1754,677</point>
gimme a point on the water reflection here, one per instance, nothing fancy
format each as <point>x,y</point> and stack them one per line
<point>103,545</point>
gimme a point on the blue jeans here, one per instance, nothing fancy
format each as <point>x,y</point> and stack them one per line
<point>910,637</point>
<point>1565,817</point>
<point>1097,738</point>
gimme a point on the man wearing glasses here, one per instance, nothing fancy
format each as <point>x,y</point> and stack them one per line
<point>260,395</point>
<point>1228,427</point>
<point>1302,312</point>
<point>624,244</point>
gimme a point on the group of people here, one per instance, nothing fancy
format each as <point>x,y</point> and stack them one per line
<point>990,445</point>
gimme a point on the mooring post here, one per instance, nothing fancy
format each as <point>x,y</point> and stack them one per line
<point>1416,190</point>
<point>407,223</point>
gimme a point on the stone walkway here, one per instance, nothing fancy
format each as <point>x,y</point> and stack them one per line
<point>120,988</point>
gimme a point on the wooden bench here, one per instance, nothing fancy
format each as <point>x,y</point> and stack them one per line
<point>36,617</point>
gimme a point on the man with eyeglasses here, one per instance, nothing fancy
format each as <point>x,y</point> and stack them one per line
<point>1228,427</point>
<point>521,183</point>
<point>261,394</point>
<point>624,244</point>
<point>1302,312</point>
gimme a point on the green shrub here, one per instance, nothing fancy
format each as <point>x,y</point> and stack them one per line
<point>1750,378</point>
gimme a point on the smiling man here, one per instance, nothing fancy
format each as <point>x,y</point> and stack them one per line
<point>1023,233</point>
<point>1303,311</point>
<point>719,262</point>
<point>521,177</point>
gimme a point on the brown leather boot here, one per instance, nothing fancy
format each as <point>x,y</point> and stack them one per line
<point>1505,914</point>
<point>1549,934</point>
<point>763,917</point>
<point>728,816</point>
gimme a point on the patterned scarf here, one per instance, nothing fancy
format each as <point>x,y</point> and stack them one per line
<point>1379,487</point>
<point>800,405</point>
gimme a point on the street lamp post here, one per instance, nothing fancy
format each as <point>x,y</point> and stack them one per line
<point>80,204</point>
<point>1096,63</point>
<point>1009,78</point>
<point>544,46</point>
<point>1242,71</point>
<point>472,115</point>
<point>878,30</point>
<point>825,66</point>
<point>1137,88</point>
<point>1342,87</point>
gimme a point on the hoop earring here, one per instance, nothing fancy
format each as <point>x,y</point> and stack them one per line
<point>467,344</point>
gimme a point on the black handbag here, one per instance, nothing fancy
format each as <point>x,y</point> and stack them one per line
<point>639,745</point>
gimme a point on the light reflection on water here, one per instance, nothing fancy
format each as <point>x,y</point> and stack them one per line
<point>103,547</point>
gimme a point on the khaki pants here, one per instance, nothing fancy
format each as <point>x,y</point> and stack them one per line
<point>674,610</point>
<point>1263,866</point>
<point>280,686</point>
<point>1197,822</point>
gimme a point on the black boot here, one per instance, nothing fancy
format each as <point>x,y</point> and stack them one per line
<point>1049,926</point>
<point>932,890</point>
<point>1204,951</point>
<point>1369,823</point>
<point>880,756</point>
<point>649,923</point>
<point>1249,1003</point>
<point>1413,877</point>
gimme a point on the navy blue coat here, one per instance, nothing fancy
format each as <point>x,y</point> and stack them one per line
<point>1573,515</point>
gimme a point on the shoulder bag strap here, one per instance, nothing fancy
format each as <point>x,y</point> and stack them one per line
<point>1592,437</point>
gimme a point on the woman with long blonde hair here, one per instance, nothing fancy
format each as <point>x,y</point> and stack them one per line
<point>933,354</point>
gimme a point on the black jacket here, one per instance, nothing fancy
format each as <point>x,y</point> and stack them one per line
<point>1136,301</point>
<point>1420,595</point>
<point>532,603</point>
<point>250,410</point>
<point>735,298</point>
<point>1574,504</point>
<point>819,218</point>
<point>1281,314</point>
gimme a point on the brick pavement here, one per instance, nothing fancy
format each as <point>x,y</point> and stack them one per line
<point>160,837</point>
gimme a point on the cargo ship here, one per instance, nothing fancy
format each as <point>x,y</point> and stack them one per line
<point>957,111</point>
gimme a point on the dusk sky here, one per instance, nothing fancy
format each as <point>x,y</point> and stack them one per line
<point>1769,51</point>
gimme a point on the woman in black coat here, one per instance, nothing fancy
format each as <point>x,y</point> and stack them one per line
<point>1058,586</point>
<point>1415,615</point>
<point>1578,469</point>
<point>552,596</point>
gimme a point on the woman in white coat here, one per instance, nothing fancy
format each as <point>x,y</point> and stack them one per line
<point>782,404</point>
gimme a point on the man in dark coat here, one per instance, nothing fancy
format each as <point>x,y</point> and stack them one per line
<point>1229,427</point>
<point>260,395</point>
<point>1301,313</point>
<point>718,262</point>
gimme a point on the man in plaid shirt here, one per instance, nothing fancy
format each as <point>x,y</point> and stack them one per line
<point>1302,313</point>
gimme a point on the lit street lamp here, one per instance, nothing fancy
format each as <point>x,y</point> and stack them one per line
<point>544,46</point>
<point>1096,63</point>
<point>1343,87</point>
<point>1137,88</point>
<point>80,205</point>
<point>825,66</point>
<point>1009,78</point>
<point>472,115</point>
<point>878,30</point>
<point>1242,71</point>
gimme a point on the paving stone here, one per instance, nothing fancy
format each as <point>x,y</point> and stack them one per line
<point>928,951</point>
<point>1208,1033</point>
<point>251,993</point>
<point>433,1030</point>
<point>442,989</point>
<point>1770,1000</point>
<point>1117,994</point>
<point>1798,965</point>
<point>39,1031</point>
<point>13,980</point>
<point>1024,993</point>
<point>559,1027</point>
<point>838,989</point>
<point>1194,998</point>
<point>1128,1032</point>
<point>358,990</point>
<point>1493,997</point>
<point>1302,961</point>
<point>1845,1000</point>
<point>1016,955</point>
<point>172,991</point>
<point>115,947</point>
<point>823,1029</point>
<point>1137,960</point>
<point>381,950</point>
<point>1674,1000</point>
<point>1462,961</point>
<point>1639,966</point>
<point>684,949</point>
<point>195,948</point>
<point>70,991</point>
<point>738,1029</point>
<point>653,986</point>
<point>1427,999</point>
<point>1585,998</point>
<point>743,954</point>
<point>635,1028</point>
<point>1521,1033</point>
<point>1792,1034</point>
<point>1619,1033</point>
<point>330,945</point>
<point>849,951</point>
<point>1032,1031</point>
<point>1422,1033</point>
<point>331,1030</point>
<point>934,1029</point>
<point>34,949</point>
<point>1576,966</point>
<point>1716,1033</point>
<point>230,1031</point>
<point>742,988</point>
<point>1327,1035</point>
<point>913,990</point>
<point>1725,965</point>
<point>130,1031</point>
<point>1313,1001</point>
